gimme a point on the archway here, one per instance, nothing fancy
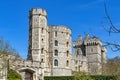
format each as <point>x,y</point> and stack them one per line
<point>27,74</point>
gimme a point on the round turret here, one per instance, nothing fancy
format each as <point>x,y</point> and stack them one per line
<point>60,48</point>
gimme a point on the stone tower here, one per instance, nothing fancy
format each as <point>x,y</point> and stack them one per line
<point>60,50</point>
<point>50,51</point>
<point>38,38</point>
<point>80,60</point>
<point>93,48</point>
<point>89,55</point>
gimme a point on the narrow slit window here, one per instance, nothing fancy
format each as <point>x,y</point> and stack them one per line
<point>67,63</point>
<point>67,44</point>
<point>42,40</point>
<point>42,60</point>
<point>42,50</point>
<point>67,53</point>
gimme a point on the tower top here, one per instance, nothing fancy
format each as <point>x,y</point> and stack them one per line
<point>38,11</point>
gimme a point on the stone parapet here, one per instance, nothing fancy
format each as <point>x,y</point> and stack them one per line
<point>60,28</point>
<point>27,63</point>
<point>38,11</point>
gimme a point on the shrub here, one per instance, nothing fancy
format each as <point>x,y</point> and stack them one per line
<point>103,77</point>
<point>13,75</point>
<point>58,78</point>
<point>81,76</point>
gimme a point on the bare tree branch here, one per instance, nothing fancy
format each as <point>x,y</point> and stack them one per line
<point>112,27</point>
<point>114,46</point>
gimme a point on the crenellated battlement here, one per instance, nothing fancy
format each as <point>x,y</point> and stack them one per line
<point>93,41</point>
<point>38,11</point>
<point>87,41</point>
<point>27,63</point>
<point>61,28</point>
<point>50,51</point>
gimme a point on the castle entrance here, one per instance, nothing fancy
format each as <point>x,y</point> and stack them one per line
<point>27,74</point>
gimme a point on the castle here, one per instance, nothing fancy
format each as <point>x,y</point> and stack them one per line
<point>50,51</point>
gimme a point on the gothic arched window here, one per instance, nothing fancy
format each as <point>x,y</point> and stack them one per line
<point>56,53</point>
<point>55,62</point>
<point>56,43</point>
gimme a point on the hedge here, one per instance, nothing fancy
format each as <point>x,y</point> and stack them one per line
<point>58,78</point>
<point>103,77</point>
<point>94,77</point>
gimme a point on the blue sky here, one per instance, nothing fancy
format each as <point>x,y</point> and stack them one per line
<point>82,16</point>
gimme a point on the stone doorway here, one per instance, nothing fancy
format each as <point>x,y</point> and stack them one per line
<point>27,74</point>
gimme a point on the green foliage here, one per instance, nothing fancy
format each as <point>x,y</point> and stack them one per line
<point>103,77</point>
<point>13,79</point>
<point>116,77</point>
<point>13,75</point>
<point>84,76</point>
<point>58,78</point>
<point>81,76</point>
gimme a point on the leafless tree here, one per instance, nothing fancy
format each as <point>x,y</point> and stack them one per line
<point>113,65</point>
<point>8,56</point>
<point>115,46</point>
<point>112,27</point>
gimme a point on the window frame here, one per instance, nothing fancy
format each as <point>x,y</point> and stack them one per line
<point>55,62</point>
<point>56,52</point>
<point>55,33</point>
<point>56,43</point>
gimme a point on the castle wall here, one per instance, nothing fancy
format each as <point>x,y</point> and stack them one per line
<point>62,35</point>
<point>89,52</point>
<point>50,50</point>
<point>38,38</point>
<point>93,52</point>
<point>30,69</point>
<point>79,56</point>
<point>61,72</point>
<point>37,35</point>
